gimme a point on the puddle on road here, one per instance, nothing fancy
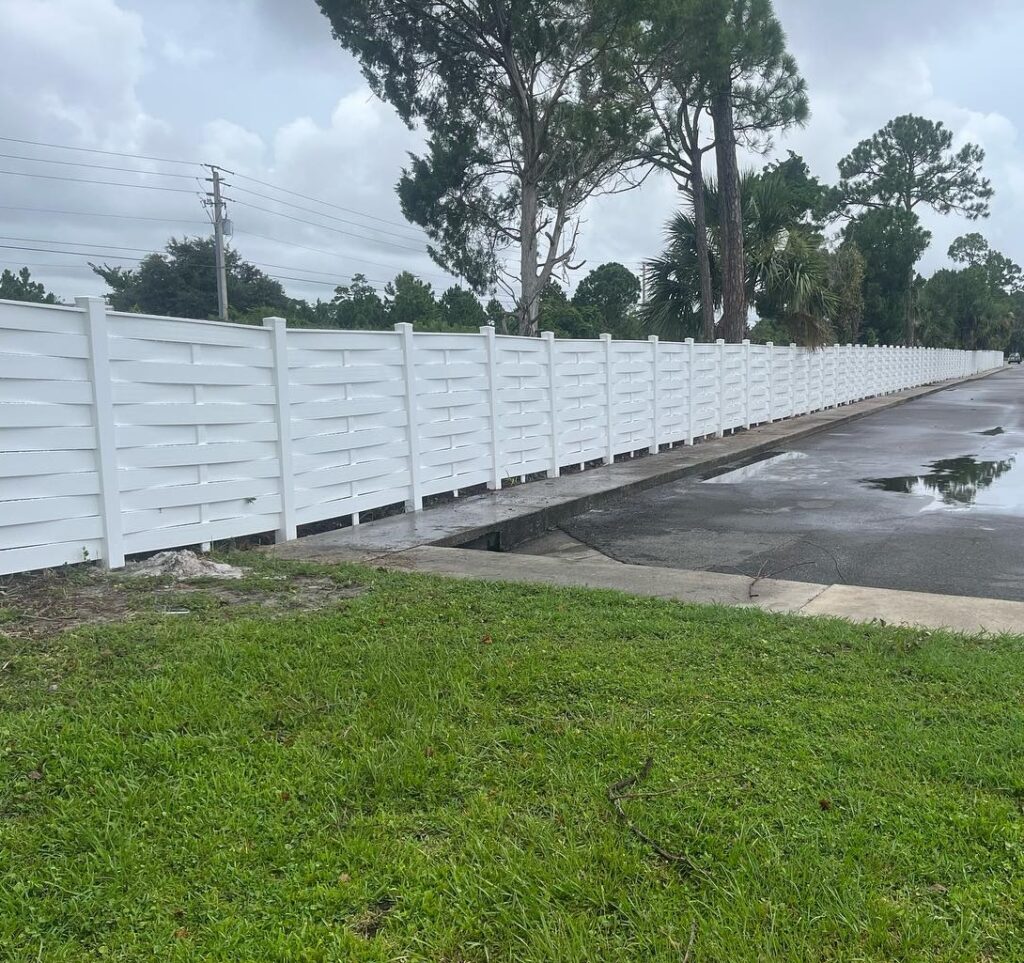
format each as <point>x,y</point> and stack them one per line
<point>962,483</point>
<point>760,466</point>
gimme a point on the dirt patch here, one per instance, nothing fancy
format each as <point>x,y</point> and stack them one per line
<point>42,604</point>
<point>368,924</point>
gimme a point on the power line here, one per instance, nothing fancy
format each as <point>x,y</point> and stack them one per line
<point>95,150</point>
<point>331,217</point>
<point>50,250</point>
<point>98,167</point>
<point>82,180</point>
<point>318,200</point>
<point>49,264</point>
<point>326,274</point>
<point>39,240</point>
<point>337,254</point>
<point>326,227</point>
<point>126,217</point>
<point>326,284</point>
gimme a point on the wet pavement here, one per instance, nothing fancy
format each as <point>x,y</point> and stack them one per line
<point>927,497</point>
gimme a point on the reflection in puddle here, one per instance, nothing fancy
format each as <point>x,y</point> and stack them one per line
<point>760,467</point>
<point>952,482</point>
<point>992,432</point>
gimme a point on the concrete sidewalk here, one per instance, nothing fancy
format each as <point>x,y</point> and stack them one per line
<point>514,515</point>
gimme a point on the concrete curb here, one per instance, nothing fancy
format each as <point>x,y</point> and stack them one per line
<point>852,603</point>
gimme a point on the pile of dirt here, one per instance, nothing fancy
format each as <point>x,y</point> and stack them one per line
<point>182,566</point>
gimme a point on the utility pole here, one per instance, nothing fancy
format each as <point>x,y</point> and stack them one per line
<point>218,234</point>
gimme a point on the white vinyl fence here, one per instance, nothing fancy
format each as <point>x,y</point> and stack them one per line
<point>123,433</point>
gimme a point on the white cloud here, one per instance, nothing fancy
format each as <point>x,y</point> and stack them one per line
<point>181,56</point>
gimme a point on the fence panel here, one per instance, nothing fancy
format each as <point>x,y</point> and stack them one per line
<point>124,433</point>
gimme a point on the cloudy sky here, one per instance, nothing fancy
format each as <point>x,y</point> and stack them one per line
<point>261,88</point>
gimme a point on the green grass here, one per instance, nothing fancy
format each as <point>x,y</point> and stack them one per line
<point>420,773</point>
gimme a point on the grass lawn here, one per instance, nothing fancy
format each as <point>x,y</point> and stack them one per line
<point>420,771</point>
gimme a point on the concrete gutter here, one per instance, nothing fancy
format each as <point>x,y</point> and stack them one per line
<point>502,520</point>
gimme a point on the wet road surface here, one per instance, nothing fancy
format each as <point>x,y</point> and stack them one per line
<point>925,497</point>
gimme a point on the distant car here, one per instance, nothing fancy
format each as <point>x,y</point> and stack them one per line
<point>1014,358</point>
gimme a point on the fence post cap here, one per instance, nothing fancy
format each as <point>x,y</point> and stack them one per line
<point>769,344</point>
<point>745,341</point>
<point>403,326</point>
<point>605,337</point>
<point>84,299</point>
<point>653,338</point>
<point>548,335</point>
<point>689,341</point>
<point>274,323</point>
<point>792,344</point>
<point>487,329</point>
<point>719,340</point>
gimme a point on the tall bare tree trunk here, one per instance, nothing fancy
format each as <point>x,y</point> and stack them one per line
<point>529,299</point>
<point>700,223</point>
<point>734,273</point>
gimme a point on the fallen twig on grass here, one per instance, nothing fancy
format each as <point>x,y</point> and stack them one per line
<point>618,791</point>
<point>654,794</point>
<point>689,947</point>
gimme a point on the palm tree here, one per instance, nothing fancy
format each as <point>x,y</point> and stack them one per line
<point>787,276</point>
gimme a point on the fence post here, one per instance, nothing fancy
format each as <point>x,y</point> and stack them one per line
<point>792,380</point>
<point>283,409</point>
<point>490,341</point>
<point>689,390</point>
<point>720,389</point>
<point>655,397</point>
<point>770,351</point>
<point>414,502</point>
<point>95,311</point>
<point>609,458</point>
<point>808,358</point>
<point>549,338</point>
<point>746,383</point>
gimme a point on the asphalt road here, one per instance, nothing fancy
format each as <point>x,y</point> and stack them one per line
<point>925,497</point>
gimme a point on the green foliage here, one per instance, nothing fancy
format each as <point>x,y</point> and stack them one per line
<point>408,300</point>
<point>21,287</point>
<point>805,194</point>
<point>613,291</point>
<point>974,251</point>
<point>357,306</point>
<point>527,111</point>
<point>749,47</point>
<point>910,163</point>
<point>891,242</point>
<point>847,271</point>
<point>567,319</point>
<point>787,268</point>
<point>182,282</point>
<point>502,320</point>
<point>461,311</point>
<point>976,306</point>
<point>421,773</point>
